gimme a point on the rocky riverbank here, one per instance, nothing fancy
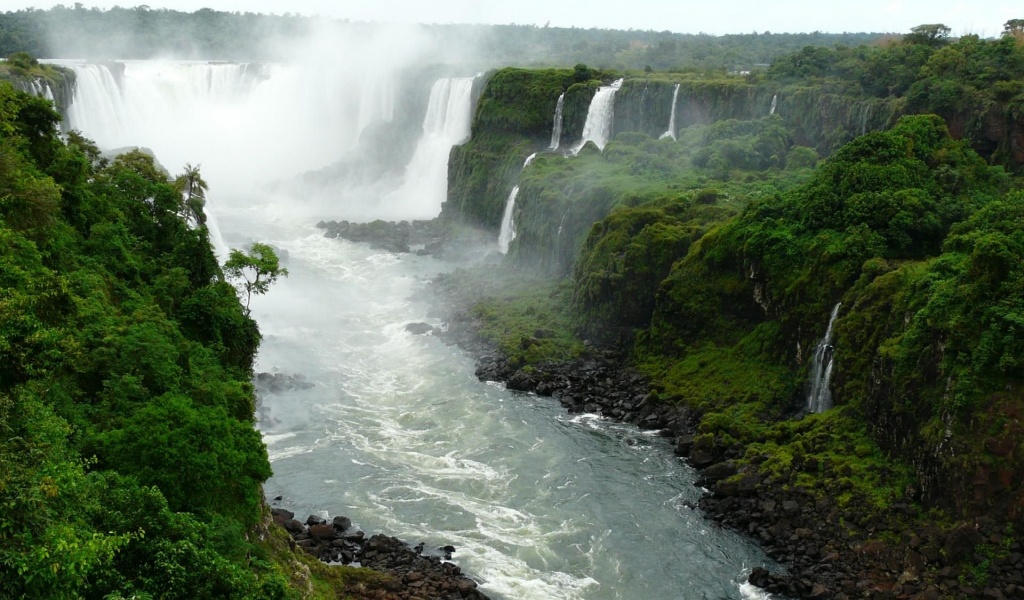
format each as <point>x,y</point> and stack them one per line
<point>828,551</point>
<point>417,573</point>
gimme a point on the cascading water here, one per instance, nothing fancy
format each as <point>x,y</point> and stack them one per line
<point>775,104</point>
<point>671,131</point>
<point>507,233</point>
<point>508,228</point>
<point>396,432</point>
<point>447,123</point>
<point>598,126</point>
<point>819,399</point>
<point>225,105</point>
<point>556,127</point>
<point>38,87</point>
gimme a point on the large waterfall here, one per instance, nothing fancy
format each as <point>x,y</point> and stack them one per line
<point>671,131</point>
<point>598,126</point>
<point>394,430</point>
<point>819,398</point>
<point>556,126</point>
<point>447,122</point>
<point>205,113</point>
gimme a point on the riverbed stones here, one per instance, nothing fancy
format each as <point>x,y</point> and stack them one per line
<point>416,574</point>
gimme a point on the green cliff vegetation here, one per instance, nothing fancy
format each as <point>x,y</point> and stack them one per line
<point>716,259</point>
<point>25,72</point>
<point>129,464</point>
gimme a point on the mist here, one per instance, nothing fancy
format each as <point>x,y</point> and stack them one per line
<point>337,125</point>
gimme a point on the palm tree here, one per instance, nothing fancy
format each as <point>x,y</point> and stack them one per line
<point>192,188</point>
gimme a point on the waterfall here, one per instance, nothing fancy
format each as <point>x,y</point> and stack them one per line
<point>508,228</point>
<point>447,123</point>
<point>37,87</point>
<point>671,132</point>
<point>819,399</point>
<point>556,128</point>
<point>189,111</point>
<point>264,124</point>
<point>775,104</point>
<point>598,126</point>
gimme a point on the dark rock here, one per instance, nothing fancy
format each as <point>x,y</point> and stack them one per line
<point>418,328</point>
<point>322,532</point>
<point>293,526</point>
<point>342,523</point>
<point>720,471</point>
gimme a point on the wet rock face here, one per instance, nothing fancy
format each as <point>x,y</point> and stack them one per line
<point>275,383</point>
<point>418,572</point>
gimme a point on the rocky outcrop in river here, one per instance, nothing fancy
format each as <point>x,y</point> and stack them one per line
<point>418,573</point>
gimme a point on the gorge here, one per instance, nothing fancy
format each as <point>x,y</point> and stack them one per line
<point>807,288</point>
<point>394,430</point>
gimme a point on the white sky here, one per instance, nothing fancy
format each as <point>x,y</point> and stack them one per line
<point>982,17</point>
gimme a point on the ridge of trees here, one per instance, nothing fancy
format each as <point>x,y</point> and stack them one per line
<point>129,464</point>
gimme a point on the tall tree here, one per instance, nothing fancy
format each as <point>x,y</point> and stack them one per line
<point>193,190</point>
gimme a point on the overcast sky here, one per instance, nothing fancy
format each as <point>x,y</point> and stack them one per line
<point>982,17</point>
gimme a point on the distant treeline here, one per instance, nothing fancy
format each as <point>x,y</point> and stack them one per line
<point>142,32</point>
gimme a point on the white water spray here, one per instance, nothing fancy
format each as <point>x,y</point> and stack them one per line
<point>775,104</point>
<point>819,399</point>
<point>447,123</point>
<point>598,126</point>
<point>556,127</point>
<point>671,132</point>
<point>508,228</point>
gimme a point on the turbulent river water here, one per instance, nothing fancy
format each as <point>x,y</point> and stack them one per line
<point>398,434</point>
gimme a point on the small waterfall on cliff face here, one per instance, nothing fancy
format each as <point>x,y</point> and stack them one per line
<point>598,126</point>
<point>775,104</point>
<point>556,127</point>
<point>819,399</point>
<point>671,132</point>
<point>864,116</point>
<point>508,228</point>
<point>37,87</point>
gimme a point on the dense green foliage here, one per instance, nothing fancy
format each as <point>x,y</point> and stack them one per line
<point>129,465</point>
<point>975,84</point>
<point>724,254</point>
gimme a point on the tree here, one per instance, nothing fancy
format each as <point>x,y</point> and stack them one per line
<point>1014,28</point>
<point>257,269</point>
<point>933,35</point>
<point>193,194</point>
